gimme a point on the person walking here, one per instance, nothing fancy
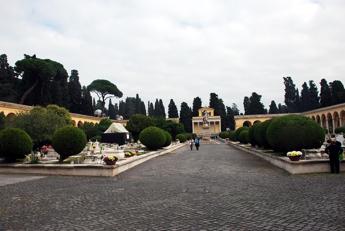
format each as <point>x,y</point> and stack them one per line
<point>191,144</point>
<point>197,143</point>
<point>333,150</point>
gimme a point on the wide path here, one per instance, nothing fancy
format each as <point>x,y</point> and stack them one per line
<point>216,188</point>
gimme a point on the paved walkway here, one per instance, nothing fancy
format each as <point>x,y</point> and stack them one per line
<point>217,188</point>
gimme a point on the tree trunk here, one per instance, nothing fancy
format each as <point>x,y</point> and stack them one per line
<point>27,92</point>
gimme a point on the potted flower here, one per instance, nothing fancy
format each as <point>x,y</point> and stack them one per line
<point>294,155</point>
<point>110,159</point>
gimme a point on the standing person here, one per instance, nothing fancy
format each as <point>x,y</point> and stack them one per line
<point>191,144</point>
<point>334,149</point>
<point>197,143</point>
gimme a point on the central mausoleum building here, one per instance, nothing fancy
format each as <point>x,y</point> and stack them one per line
<point>206,125</point>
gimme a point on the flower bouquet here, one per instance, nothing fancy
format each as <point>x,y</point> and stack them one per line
<point>294,155</point>
<point>110,160</point>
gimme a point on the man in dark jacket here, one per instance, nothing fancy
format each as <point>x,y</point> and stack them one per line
<point>333,150</point>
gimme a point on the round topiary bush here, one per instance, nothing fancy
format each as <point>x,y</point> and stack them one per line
<point>232,135</point>
<point>168,139</point>
<point>14,144</point>
<point>224,135</point>
<point>152,137</point>
<point>68,141</point>
<point>260,134</point>
<point>181,137</point>
<point>244,137</point>
<point>293,133</point>
<point>238,131</point>
<point>251,131</point>
<point>188,136</point>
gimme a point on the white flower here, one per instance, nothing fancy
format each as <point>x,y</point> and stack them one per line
<point>294,153</point>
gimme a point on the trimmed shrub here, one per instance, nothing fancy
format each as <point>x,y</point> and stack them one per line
<point>238,131</point>
<point>152,137</point>
<point>251,131</point>
<point>168,138</point>
<point>14,144</point>
<point>137,123</point>
<point>260,134</point>
<point>68,141</point>
<point>294,132</point>
<point>224,135</point>
<point>181,137</point>
<point>232,136</point>
<point>340,130</point>
<point>188,136</point>
<point>244,137</point>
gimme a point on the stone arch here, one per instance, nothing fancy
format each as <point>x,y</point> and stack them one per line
<point>257,121</point>
<point>330,123</point>
<point>342,118</point>
<point>10,115</point>
<point>323,121</point>
<point>247,123</point>
<point>336,119</point>
<point>80,123</point>
<point>73,123</point>
<point>318,119</point>
<point>313,118</point>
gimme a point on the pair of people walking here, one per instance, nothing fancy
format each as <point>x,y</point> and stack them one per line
<point>334,150</point>
<point>195,142</point>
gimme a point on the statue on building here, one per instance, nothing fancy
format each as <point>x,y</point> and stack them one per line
<point>205,118</point>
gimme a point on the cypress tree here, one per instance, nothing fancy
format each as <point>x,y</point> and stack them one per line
<point>305,98</point>
<point>325,94</point>
<point>74,91</point>
<point>87,107</point>
<point>291,95</point>
<point>172,109</point>
<point>196,105</point>
<point>111,110</point>
<point>151,110</point>
<point>314,95</point>
<point>273,108</point>
<point>338,92</point>
<point>186,117</point>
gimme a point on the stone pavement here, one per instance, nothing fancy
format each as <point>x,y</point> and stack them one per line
<point>216,188</point>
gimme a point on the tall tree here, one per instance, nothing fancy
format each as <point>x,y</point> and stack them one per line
<point>116,110</point>
<point>74,91</point>
<point>325,94</point>
<point>230,118</point>
<point>235,109</point>
<point>282,108</point>
<point>122,108</point>
<point>246,105</point>
<point>196,105</point>
<point>305,98</point>
<point>273,108</point>
<point>162,109</point>
<point>338,92</point>
<point>104,89</point>
<point>8,81</point>
<point>86,102</point>
<point>255,105</point>
<point>314,95</point>
<point>186,117</point>
<point>172,109</point>
<point>111,110</point>
<point>151,109</point>
<point>291,95</point>
<point>214,101</point>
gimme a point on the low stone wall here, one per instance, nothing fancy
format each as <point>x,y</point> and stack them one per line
<point>84,169</point>
<point>293,167</point>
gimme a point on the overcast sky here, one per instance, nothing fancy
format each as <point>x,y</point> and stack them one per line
<point>181,49</point>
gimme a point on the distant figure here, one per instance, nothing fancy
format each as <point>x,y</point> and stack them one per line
<point>191,144</point>
<point>197,143</point>
<point>333,150</point>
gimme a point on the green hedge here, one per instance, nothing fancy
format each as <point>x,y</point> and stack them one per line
<point>244,137</point>
<point>238,131</point>
<point>181,137</point>
<point>232,135</point>
<point>152,137</point>
<point>251,131</point>
<point>14,144</point>
<point>224,135</point>
<point>168,138</point>
<point>68,141</point>
<point>260,132</point>
<point>340,130</point>
<point>294,132</point>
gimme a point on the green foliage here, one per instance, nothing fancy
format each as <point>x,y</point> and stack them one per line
<point>61,112</point>
<point>170,126</point>
<point>181,137</point>
<point>41,123</point>
<point>224,135</point>
<point>2,120</point>
<point>238,132</point>
<point>172,109</point>
<point>340,130</point>
<point>104,89</point>
<point>253,105</point>
<point>197,104</point>
<point>68,141</point>
<point>104,124</point>
<point>251,132</point>
<point>14,144</point>
<point>294,132</point>
<point>188,136</point>
<point>168,138</point>
<point>137,123</point>
<point>186,117</point>
<point>232,135</point>
<point>260,134</point>
<point>244,137</point>
<point>91,130</point>
<point>152,137</point>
